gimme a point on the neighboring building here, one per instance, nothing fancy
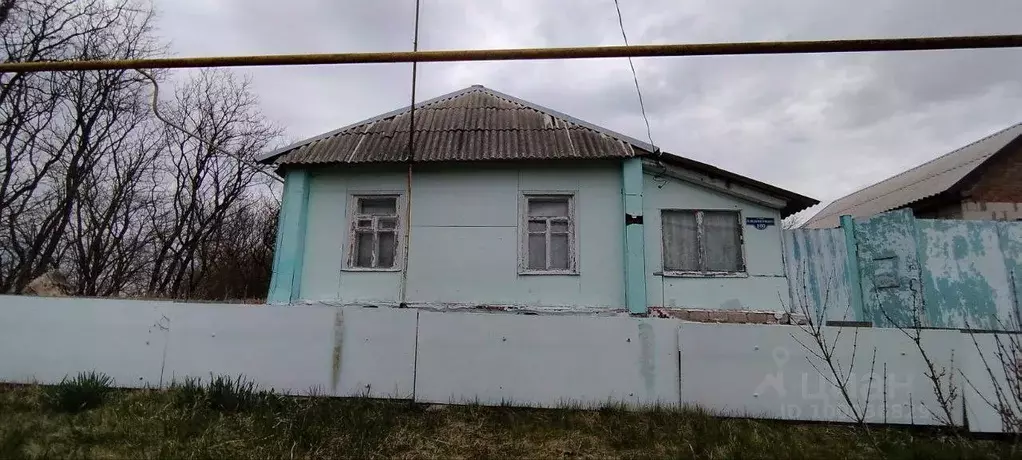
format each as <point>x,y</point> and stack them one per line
<point>506,203</point>
<point>981,181</point>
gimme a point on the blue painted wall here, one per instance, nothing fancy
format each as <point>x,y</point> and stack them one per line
<point>324,277</point>
<point>464,244</point>
<point>465,236</point>
<point>762,289</point>
<point>288,253</point>
<point>465,240</point>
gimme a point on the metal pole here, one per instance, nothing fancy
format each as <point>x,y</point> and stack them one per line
<point>703,49</point>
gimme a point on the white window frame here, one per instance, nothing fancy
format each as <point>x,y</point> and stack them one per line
<point>523,233</point>
<point>353,218</point>
<point>742,273</point>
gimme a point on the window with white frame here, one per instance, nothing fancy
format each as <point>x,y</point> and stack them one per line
<point>548,236</point>
<point>698,241</point>
<point>375,232</point>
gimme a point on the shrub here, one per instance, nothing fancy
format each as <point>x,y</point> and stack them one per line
<point>86,391</point>
<point>231,395</point>
<point>222,393</point>
<point>189,393</point>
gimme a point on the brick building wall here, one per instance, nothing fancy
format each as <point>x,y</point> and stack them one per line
<point>948,211</point>
<point>998,193</point>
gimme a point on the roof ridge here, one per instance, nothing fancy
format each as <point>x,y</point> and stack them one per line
<point>373,119</point>
<point>821,214</point>
<point>570,119</point>
<point>633,143</point>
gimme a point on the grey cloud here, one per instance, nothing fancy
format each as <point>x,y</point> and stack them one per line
<point>822,125</point>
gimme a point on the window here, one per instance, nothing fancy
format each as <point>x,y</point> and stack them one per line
<point>548,240</point>
<point>702,241</point>
<point>374,232</point>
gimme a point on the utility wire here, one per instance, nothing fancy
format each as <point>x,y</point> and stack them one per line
<point>156,111</point>
<point>635,78</point>
<point>411,160</point>
<point>520,54</point>
<point>411,110</point>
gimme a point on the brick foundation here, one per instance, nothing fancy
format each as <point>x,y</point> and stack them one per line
<point>726,316</point>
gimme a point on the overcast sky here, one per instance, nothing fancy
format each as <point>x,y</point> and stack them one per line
<point>821,125</point>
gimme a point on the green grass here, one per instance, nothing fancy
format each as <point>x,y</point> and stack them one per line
<point>232,419</point>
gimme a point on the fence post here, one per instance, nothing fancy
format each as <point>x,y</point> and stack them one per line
<point>852,267</point>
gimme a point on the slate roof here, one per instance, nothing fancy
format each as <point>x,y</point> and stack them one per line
<point>473,124</point>
<point>481,124</point>
<point>945,173</point>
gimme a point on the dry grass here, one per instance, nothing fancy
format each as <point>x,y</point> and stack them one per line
<point>188,423</point>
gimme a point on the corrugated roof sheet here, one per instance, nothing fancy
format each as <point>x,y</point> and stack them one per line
<point>479,124</point>
<point>928,179</point>
<point>474,124</point>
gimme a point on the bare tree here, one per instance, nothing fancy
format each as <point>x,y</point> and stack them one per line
<point>941,378</point>
<point>97,183</point>
<point>57,127</point>
<point>237,258</point>
<point>821,344</point>
<point>203,182</point>
<point>1003,366</point>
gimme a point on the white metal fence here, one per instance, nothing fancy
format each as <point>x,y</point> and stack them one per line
<point>491,358</point>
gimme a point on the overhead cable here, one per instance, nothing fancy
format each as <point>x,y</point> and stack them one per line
<point>635,78</point>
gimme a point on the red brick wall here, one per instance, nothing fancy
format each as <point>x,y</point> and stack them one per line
<point>1001,182</point>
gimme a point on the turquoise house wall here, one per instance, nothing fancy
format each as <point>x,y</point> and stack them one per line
<point>464,238</point>
<point>324,276</point>
<point>765,284</point>
<point>289,251</point>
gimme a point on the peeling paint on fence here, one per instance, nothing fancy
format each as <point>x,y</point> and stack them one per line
<point>944,273</point>
<point>1010,234</point>
<point>963,271</point>
<point>889,268</point>
<point>814,262</point>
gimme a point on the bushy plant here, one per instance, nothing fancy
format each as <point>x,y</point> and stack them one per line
<point>221,393</point>
<point>85,391</point>
<point>188,393</point>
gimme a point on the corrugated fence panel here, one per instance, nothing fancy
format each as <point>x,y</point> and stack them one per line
<point>815,265</point>
<point>965,280</point>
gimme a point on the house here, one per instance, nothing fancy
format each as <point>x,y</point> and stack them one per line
<point>981,181</point>
<point>503,203</point>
